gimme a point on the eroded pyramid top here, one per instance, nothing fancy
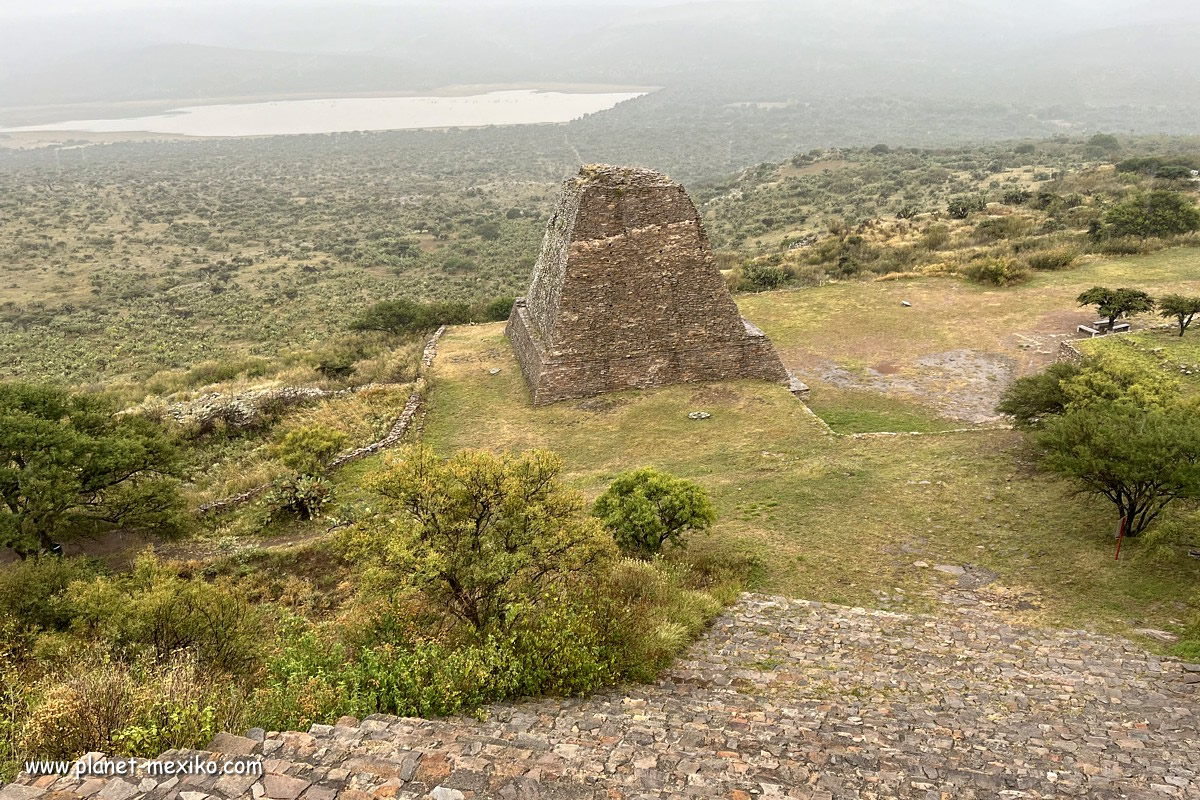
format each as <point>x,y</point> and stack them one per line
<point>626,292</point>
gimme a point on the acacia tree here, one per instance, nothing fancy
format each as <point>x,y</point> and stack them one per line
<point>646,508</point>
<point>483,535</point>
<point>70,468</point>
<point>1140,460</point>
<point>1183,309</point>
<point>1116,303</point>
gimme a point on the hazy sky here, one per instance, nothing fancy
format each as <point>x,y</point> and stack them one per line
<point>43,7</point>
<point>23,8</point>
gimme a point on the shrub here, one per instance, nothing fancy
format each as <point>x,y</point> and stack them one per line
<point>1157,213</point>
<point>646,509</point>
<point>156,611</point>
<point>961,207</point>
<point>307,450</point>
<point>997,272</point>
<point>394,316</point>
<point>498,310</point>
<point>623,623</point>
<point>1104,142</point>
<point>935,238</point>
<point>300,496</point>
<point>1128,246</point>
<point>1017,197</point>
<point>997,228</point>
<point>32,592</point>
<point>483,535</point>
<point>763,277</point>
<point>1031,399</point>
<point>1054,259</point>
<point>1115,376</point>
<point>139,709</point>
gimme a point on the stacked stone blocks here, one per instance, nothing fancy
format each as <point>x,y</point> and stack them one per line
<point>626,294</point>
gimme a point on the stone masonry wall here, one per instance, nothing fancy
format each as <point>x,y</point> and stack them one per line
<point>627,294</point>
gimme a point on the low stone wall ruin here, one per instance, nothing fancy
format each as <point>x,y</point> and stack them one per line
<point>395,434</point>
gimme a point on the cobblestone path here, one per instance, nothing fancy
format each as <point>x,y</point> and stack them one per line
<point>782,698</point>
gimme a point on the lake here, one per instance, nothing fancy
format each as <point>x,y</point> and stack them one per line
<point>513,107</point>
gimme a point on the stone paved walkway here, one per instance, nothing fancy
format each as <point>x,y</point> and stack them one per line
<point>782,698</point>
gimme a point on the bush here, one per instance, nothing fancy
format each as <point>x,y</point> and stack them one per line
<point>300,496</point>
<point>763,277</point>
<point>935,238</point>
<point>153,610</point>
<point>998,228</point>
<point>307,450</point>
<point>1157,213</point>
<point>112,707</point>
<point>1054,259</point>
<point>1017,197</point>
<point>997,272</point>
<point>646,509</point>
<point>406,316</point>
<point>1032,399</point>
<point>32,592</point>
<point>498,310</point>
<point>483,536</point>
<point>626,623</point>
<point>961,207</point>
<point>1115,376</point>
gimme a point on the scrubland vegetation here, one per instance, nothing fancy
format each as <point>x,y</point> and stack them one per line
<point>518,551</point>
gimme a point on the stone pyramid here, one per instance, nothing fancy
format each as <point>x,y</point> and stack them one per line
<point>626,294</point>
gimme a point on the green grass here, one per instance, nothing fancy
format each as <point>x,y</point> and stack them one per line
<point>832,519</point>
<point>862,411</point>
<point>1178,356</point>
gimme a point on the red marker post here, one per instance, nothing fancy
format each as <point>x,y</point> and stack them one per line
<point>1120,536</point>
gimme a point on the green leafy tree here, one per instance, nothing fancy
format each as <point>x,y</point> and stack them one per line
<point>1032,399</point>
<point>1104,142</point>
<point>1109,377</point>
<point>646,509</point>
<point>1156,213</point>
<point>394,316</point>
<point>485,535</point>
<point>70,467</point>
<point>1181,308</point>
<point>1116,303</point>
<point>1141,461</point>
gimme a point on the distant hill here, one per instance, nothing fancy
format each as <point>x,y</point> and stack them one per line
<point>1068,51</point>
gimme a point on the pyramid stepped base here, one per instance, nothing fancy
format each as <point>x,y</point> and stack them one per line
<point>553,378</point>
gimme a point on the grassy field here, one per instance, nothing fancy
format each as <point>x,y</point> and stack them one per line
<point>958,344</point>
<point>847,520</point>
